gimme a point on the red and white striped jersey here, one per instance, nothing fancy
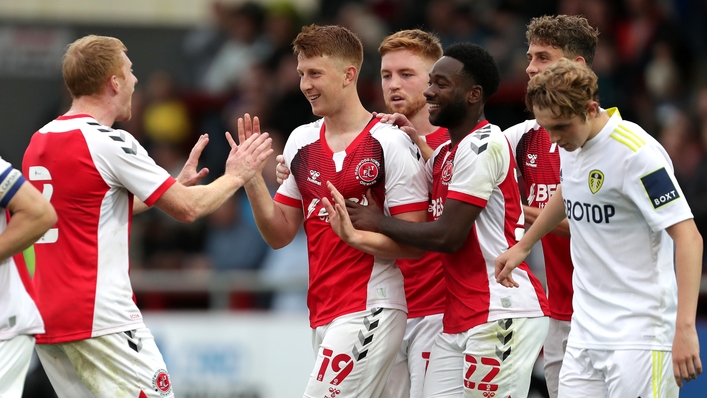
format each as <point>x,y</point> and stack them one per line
<point>480,171</point>
<point>18,312</point>
<point>425,288</point>
<point>89,172</point>
<point>343,280</point>
<point>539,163</point>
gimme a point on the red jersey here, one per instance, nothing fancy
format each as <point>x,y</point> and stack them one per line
<point>539,162</point>
<point>480,171</point>
<point>425,288</point>
<point>343,280</point>
<point>89,172</point>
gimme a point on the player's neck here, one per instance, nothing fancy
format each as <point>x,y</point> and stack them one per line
<point>458,132</point>
<point>421,121</point>
<point>598,123</point>
<point>94,106</point>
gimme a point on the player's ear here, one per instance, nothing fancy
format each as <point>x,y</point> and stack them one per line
<point>350,75</point>
<point>114,83</point>
<point>592,109</point>
<point>580,59</point>
<point>474,94</point>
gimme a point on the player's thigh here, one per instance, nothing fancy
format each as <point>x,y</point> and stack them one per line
<point>444,378</point>
<point>553,352</point>
<point>500,356</point>
<point>579,377</point>
<point>356,354</point>
<point>121,363</point>
<point>61,373</point>
<point>420,345</point>
<point>15,355</point>
<point>640,373</point>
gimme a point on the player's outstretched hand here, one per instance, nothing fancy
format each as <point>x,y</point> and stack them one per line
<point>248,158</point>
<point>338,218</point>
<point>507,262</point>
<point>281,171</point>
<point>189,176</point>
<point>686,355</point>
<point>365,217</point>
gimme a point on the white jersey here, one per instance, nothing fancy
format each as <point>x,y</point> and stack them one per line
<point>18,312</point>
<point>343,280</point>
<point>620,195</point>
<point>90,173</point>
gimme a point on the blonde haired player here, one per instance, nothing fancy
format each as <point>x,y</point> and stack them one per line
<point>631,319</point>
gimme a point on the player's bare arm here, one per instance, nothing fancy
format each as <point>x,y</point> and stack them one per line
<point>406,126</point>
<point>369,242</point>
<point>548,219</point>
<point>277,223</point>
<point>531,214</point>
<point>688,270</point>
<point>189,176</point>
<point>189,203</point>
<point>32,216</point>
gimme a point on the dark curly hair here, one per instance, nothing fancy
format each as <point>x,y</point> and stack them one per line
<point>571,33</point>
<point>478,64</point>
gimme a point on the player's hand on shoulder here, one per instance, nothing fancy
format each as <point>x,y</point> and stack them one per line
<point>281,171</point>
<point>397,119</point>
<point>686,355</point>
<point>189,175</point>
<point>365,217</point>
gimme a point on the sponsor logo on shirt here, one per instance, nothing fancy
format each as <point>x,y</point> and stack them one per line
<point>596,180</point>
<point>660,188</point>
<point>313,175</point>
<point>367,171</point>
<point>532,157</point>
<point>540,193</point>
<point>589,212</point>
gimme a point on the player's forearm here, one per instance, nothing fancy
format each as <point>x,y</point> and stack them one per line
<point>424,236</point>
<point>531,214</point>
<point>549,218</point>
<point>382,246</point>
<point>201,200</point>
<point>275,227</point>
<point>139,206</point>
<point>425,149</point>
<point>26,226</point>
<point>688,270</point>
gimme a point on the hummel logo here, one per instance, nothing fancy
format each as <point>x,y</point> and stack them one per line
<point>313,175</point>
<point>531,160</point>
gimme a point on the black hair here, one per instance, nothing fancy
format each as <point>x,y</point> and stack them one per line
<point>478,65</point>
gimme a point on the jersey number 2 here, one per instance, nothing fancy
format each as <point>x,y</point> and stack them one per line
<point>40,173</point>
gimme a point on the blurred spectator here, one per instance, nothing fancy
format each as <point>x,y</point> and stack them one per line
<point>165,117</point>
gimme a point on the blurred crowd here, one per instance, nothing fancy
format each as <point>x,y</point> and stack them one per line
<point>650,61</point>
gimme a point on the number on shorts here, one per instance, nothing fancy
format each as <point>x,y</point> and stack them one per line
<point>342,364</point>
<point>485,383</point>
<point>40,173</point>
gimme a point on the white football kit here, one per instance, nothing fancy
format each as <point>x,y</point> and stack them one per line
<point>620,194</point>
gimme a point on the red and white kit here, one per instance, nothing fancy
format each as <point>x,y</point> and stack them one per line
<point>425,291</point>
<point>480,171</point>
<point>539,163</point>
<point>19,315</point>
<point>89,172</point>
<point>343,280</point>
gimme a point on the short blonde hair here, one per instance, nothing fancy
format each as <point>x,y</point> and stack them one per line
<point>419,42</point>
<point>329,40</point>
<point>565,88</point>
<point>89,62</point>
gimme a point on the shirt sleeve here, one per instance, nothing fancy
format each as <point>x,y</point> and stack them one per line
<point>515,133</point>
<point>480,164</point>
<point>650,183</point>
<point>11,180</point>
<point>406,180</point>
<point>125,163</point>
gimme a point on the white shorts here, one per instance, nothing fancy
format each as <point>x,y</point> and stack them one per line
<point>355,354</point>
<point>493,359</point>
<point>115,365</point>
<point>408,374</point>
<point>617,374</point>
<point>15,355</point>
<point>553,352</point>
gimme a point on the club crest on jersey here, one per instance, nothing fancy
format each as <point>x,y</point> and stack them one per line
<point>161,382</point>
<point>367,171</point>
<point>447,172</point>
<point>596,180</point>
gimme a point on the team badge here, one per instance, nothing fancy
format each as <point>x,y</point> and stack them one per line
<point>161,383</point>
<point>447,172</point>
<point>596,180</point>
<point>367,171</point>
